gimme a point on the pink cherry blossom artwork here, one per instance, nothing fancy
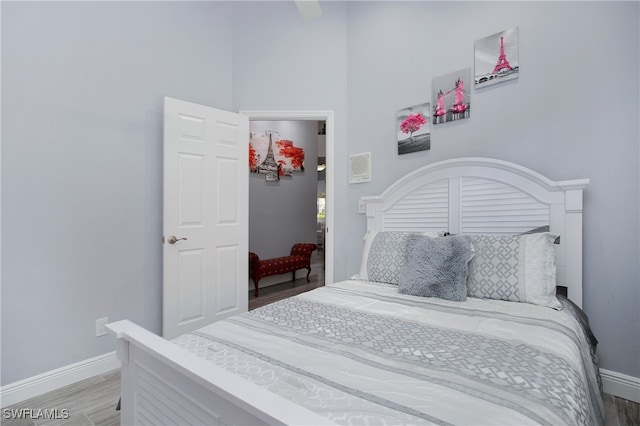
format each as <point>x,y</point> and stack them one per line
<point>413,129</point>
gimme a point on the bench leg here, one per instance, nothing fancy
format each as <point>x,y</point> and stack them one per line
<point>308,272</point>
<point>255,284</point>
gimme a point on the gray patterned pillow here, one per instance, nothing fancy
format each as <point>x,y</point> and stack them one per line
<point>519,268</point>
<point>437,267</point>
<point>384,256</point>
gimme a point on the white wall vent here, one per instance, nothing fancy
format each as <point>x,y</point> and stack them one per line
<point>360,168</point>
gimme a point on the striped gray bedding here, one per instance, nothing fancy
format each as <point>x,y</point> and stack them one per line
<point>359,352</point>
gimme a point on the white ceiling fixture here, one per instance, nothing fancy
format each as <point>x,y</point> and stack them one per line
<point>309,9</point>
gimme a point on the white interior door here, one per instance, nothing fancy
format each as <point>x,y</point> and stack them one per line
<point>206,222</point>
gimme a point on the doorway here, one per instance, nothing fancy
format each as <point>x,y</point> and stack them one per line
<point>327,117</point>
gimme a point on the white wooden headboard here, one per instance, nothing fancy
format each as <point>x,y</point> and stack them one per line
<point>481,195</point>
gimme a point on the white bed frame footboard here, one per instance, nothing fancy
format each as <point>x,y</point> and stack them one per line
<point>163,384</point>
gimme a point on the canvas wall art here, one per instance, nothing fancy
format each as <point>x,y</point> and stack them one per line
<point>274,156</point>
<point>496,58</point>
<point>412,128</point>
<point>451,100</point>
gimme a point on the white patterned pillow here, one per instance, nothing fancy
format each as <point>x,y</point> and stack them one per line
<point>385,255</point>
<point>519,268</point>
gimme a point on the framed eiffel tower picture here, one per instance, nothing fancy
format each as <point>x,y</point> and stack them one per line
<point>274,156</point>
<point>496,58</point>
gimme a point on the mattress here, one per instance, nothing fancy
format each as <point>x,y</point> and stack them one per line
<point>358,352</point>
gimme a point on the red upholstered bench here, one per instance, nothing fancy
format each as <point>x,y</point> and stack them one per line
<point>300,258</point>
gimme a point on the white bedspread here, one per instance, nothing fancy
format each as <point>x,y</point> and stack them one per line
<point>360,353</point>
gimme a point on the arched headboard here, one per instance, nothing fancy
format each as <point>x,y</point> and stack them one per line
<point>486,196</point>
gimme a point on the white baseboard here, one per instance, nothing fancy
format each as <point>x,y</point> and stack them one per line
<point>621,385</point>
<point>55,379</point>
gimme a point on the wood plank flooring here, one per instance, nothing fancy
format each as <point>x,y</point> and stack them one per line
<point>621,412</point>
<point>92,402</point>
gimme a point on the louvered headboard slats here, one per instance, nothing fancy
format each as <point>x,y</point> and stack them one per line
<point>480,195</point>
<point>424,209</point>
<point>498,208</point>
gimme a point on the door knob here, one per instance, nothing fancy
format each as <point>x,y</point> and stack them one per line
<point>172,239</point>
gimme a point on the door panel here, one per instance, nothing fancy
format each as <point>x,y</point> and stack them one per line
<point>191,289</point>
<point>226,297</point>
<point>191,172</point>
<point>205,206</point>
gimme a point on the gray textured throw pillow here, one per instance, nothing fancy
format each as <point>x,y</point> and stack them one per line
<point>437,267</point>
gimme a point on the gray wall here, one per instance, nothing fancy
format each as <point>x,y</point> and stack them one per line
<point>82,104</point>
<point>81,214</point>
<point>283,213</point>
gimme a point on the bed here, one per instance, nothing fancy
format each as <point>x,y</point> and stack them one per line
<point>453,318</point>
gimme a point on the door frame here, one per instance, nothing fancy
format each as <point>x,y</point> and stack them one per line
<point>328,118</point>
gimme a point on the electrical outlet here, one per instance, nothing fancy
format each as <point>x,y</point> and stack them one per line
<point>361,207</point>
<point>100,323</point>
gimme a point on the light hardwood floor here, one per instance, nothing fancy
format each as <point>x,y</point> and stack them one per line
<point>92,402</point>
<point>621,412</point>
<point>88,402</point>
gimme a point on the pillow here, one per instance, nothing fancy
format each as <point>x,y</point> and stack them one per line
<point>434,234</point>
<point>437,267</point>
<point>539,229</point>
<point>519,268</point>
<point>384,255</point>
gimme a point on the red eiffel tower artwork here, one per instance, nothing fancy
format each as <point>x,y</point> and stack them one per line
<point>503,63</point>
